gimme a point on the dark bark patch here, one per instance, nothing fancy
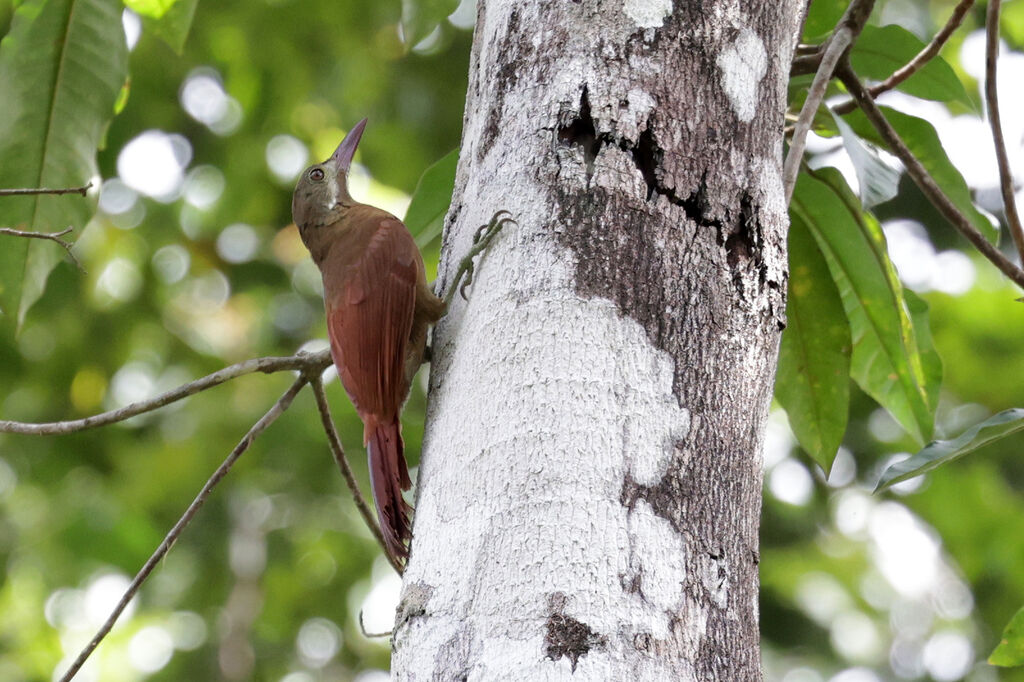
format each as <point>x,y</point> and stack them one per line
<point>579,129</point>
<point>506,78</point>
<point>566,636</point>
<point>665,497</point>
<point>453,659</point>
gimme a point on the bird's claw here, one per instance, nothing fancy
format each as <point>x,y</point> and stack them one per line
<point>468,280</point>
<point>481,238</point>
<point>485,233</point>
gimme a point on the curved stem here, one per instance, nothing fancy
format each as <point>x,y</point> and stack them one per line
<point>266,420</point>
<point>346,469</point>
<point>923,179</point>
<point>995,123</point>
<point>920,59</point>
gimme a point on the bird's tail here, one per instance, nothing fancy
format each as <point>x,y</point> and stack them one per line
<point>389,476</point>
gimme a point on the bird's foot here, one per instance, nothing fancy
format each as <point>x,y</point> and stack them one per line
<point>481,240</point>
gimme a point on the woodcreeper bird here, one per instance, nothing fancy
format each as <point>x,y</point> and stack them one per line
<point>379,308</point>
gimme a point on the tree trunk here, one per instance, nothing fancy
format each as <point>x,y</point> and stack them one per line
<point>590,484</point>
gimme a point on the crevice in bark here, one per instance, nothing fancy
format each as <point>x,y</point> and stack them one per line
<point>566,636</point>
<point>581,130</point>
<point>744,246</point>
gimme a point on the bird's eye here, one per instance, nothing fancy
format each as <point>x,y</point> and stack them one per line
<point>317,174</point>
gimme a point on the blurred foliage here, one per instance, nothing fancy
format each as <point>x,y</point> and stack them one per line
<point>272,574</point>
<point>191,265</point>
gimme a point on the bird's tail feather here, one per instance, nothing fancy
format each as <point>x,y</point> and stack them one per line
<point>389,476</point>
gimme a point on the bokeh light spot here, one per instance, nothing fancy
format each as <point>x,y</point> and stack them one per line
<point>286,157</point>
<point>150,649</point>
<point>152,163</point>
<point>237,243</point>
<point>318,642</point>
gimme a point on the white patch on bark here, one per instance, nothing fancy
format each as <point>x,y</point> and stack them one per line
<point>602,407</point>
<point>656,559</point>
<point>743,65</point>
<point>648,13</point>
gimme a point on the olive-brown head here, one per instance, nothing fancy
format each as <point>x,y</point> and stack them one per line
<point>321,194</point>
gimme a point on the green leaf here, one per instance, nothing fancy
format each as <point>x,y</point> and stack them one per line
<point>939,452</point>
<point>822,17</point>
<point>62,66</point>
<point>430,201</point>
<point>879,182</point>
<point>169,20</point>
<point>922,140</point>
<point>1011,23</point>
<point>931,363</point>
<point>881,50</point>
<point>420,17</point>
<point>813,380</point>
<point>886,361</point>
<point>1010,651</point>
<point>149,8</point>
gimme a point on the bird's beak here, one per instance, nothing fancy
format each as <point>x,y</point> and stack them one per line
<point>342,156</point>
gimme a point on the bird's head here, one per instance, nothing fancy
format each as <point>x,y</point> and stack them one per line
<point>322,190</point>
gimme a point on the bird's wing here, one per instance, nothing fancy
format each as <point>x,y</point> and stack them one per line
<point>369,319</point>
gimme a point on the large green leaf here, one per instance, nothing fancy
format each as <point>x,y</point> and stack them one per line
<point>420,17</point>
<point>886,362</point>
<point>61,68</point>
<point>881,50</point>
<point>935,454</point>
<point>813,380</point>
<point>430,201</point>
<point>1011,645</point>
<point>922,140</point>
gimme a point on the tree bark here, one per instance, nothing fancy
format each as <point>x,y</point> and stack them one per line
<point>590,484</point>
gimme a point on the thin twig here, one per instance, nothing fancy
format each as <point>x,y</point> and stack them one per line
<point>992,99</point>
<point>920,59</point>
<point>45,190</point>
<point>371,635</point>
<point>840,41</point>
<point>346,469</point>
<point>52,236</point>
<point>847,30</point>
<point>266,420</point>
<point>303,362</point>
<point>923,179</point>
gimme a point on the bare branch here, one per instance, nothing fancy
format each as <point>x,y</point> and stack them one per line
<point>45,190</point>
<point>992,99</point>
<point>308,363</point>
<point>920,59</point>
<point>847,30</point>
<point>346,470</point>
<point>266,420</point>
<point>52,236</point>
<point>371,635</point>
<point>923,179</point>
